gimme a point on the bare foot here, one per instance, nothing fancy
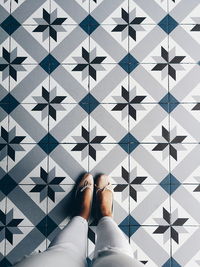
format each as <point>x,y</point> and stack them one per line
<point>104,198</point>
<point>84,198</point>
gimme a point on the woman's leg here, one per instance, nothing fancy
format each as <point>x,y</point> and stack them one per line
<point>110,235</point>
<point>75,233</point>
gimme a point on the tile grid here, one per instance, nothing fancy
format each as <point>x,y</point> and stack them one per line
<point>128,125</point>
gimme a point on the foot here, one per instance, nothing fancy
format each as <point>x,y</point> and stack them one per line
<point>104,197</point>
<point>84,196</point>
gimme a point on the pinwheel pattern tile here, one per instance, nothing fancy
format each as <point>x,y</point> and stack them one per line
<point>101,86</point>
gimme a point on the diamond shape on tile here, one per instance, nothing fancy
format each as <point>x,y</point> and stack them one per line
<point>10,24</point>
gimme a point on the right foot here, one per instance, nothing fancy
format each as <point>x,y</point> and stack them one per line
<point>104,198</point>
<point>84,196</point>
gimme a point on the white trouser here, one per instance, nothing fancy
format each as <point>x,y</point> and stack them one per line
<point>69,247</point>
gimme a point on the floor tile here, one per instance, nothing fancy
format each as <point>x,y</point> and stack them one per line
<point>150,247</point>
<point>147,85</point>
<point>24,119</point>
<point>148,46</point>
<point>68,123</point>
<point>27,240</point>
<point>66,159</point>
<point>185,87</point>
<point>148,165</point>
<point>28,84</point>
<point>28,205</point>
<point>29,12</point>
<point>34,49</point>
<point>70,45</point>
<point>183,44</point>
<point>108,122</point>
<point>102,158</point>
<point>103,87</point>
<point>186,168</point>
<point>187,132</point>
<point>149,204</point>
<point>187,245</point>
<point>184,204</point>
<point>149,122</point>
<point>116,77</point>
<point>69,83</point>
<point>188,11</point>
<point>107,11</point>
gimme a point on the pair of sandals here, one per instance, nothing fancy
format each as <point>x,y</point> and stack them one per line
<point>102,184</point>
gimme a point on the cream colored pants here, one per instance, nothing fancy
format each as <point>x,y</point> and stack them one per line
<point>68,249</point>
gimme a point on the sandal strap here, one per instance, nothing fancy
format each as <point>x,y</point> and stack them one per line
<point>107,187</point>
<point>85,185</point>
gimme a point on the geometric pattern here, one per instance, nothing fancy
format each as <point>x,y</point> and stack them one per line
<point>101,86</point>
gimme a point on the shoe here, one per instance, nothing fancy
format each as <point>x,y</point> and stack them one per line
<point>103,184</point>
<point>86,182</point>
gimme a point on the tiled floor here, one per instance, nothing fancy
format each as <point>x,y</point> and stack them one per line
<point>107,86</point>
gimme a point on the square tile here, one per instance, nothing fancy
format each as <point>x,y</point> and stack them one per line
<point>70,45</point>
<point>148,166</point>
<point>72,115</point>
<point>69,84</point>
<point>30,12</point>
<point>108,124</point>
<point>146,85</point>
<point>183,44</point>
<point>185,88</point>
<point>184,202</point>
<point>106,46</point>
<point>102,158</point>
<point>188,245</point>
<point>27,203</point>
<point>185,132</point>
<point>25,118</point>
<point>29,83</point>
<point>188,11</point>
<point>155,37</point>
<point>149,123</point>
<point>67,159</point>
<point>20,246</point>
<point>186,168</point>
<point>105,12</point>
<point>36,47</point>
<point>156,250</point>
<point>149,204</point>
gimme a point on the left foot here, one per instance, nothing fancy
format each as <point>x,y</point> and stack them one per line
<point>84,196</point>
